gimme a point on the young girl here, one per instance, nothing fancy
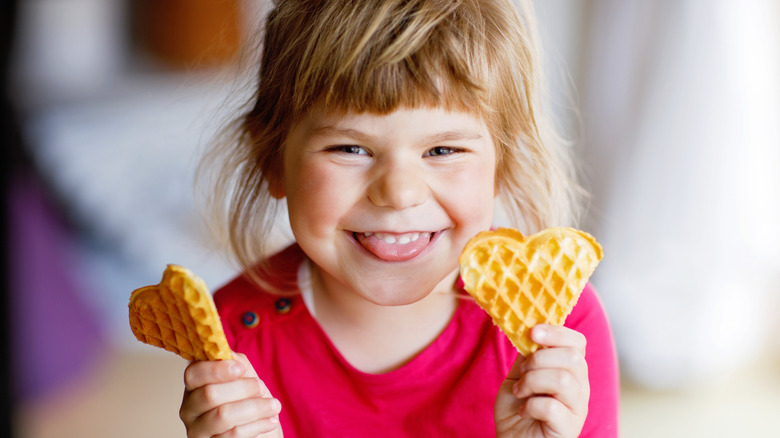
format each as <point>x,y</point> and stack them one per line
<point>390,127</point>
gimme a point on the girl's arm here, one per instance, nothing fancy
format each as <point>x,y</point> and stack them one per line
<point>546,394</point>
<point>227,397</point>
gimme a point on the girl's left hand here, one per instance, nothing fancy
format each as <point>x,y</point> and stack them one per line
<point>546,394</point>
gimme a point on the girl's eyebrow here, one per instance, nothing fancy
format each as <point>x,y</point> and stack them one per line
<point>330,130</point>
<point>439,137</point>
<point>454,135</point>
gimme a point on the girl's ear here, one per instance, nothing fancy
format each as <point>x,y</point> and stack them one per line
<point>276,189</point>
<point>275,182</point>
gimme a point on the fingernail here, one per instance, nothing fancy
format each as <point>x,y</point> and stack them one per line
<point>276,405</point>
<point>236,369</point>
<point>539,333</point>
<point>274,419</point>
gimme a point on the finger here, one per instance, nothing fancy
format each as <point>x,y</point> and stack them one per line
<point>553,382</point>
<point>558,336</point>
<point>225,417</point>
<point>198,374</point>
<point>557,357</point>
<point>252,430</point>
<point>547,410</point>
<point>210,396</point>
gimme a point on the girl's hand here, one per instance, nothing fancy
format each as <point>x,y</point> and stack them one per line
<point>227,399</point>
<point>546,394</point>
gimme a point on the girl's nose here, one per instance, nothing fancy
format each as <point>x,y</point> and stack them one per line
<point>398,188</point>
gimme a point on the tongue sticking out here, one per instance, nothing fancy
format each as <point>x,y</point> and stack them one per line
<point>394,248</point>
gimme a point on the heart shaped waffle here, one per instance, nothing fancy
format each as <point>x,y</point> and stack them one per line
<point>523,281</point>
<point>179,315</point>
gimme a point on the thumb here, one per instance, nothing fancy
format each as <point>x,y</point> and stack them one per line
<point>517,368</point>
<point>507,405</point>
<point>248,369</point>
<point>250,373</point>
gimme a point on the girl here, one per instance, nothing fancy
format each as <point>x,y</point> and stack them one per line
<point>389,127</point>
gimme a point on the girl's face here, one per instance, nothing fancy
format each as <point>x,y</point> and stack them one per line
<point>384,204</point>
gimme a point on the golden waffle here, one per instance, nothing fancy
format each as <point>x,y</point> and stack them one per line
<point>523,281</point>
<point>179,315</point>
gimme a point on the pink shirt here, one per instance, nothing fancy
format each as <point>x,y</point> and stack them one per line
<point>447,390</point>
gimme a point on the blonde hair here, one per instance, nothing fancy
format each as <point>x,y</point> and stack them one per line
<point>478,56</point>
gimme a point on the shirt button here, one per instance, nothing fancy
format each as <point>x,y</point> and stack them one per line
<point>283,305</point>
<point>250,319</point>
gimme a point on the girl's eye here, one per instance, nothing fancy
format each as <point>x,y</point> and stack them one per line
<point>349,149</point>
<point>439,151</point>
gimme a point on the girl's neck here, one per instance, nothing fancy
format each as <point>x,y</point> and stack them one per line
<point>375,338</point>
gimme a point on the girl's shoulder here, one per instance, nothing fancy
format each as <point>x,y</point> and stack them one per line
<point>244,305</point>
<point>280,273</point>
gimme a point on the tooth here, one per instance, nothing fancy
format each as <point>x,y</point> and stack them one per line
<point>404,239</point>
<point>415,236</point>
<point>389,239</point>
<point>368,234</point>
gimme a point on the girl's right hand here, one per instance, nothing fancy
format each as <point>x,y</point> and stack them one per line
<point>227,399</point>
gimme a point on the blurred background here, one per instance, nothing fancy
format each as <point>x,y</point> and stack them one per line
<point>672,106</point>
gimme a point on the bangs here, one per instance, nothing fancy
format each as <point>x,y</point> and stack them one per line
<point>406,53</point>
<point>409,83</point>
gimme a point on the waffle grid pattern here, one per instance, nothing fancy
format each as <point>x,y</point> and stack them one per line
<point>179,315</point>
<point>523,282</point>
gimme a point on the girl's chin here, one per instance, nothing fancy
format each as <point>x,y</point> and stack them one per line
<point>407,291</point>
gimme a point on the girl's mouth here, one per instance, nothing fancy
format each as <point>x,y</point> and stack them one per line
<point>394,247</point>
